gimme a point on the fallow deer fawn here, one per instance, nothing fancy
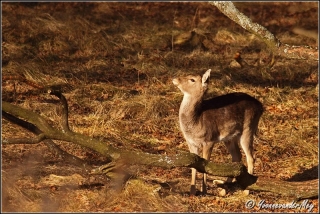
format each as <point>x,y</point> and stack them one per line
<point>231,118</point>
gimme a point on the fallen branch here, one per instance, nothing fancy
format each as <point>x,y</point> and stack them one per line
<point>122,157</point>
<point>182,159</point>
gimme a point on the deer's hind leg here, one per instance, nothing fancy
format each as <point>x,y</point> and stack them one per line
<point>246,139</point>
<point>246,142</point>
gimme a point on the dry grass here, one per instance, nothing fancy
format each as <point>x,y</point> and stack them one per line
<point>114,62</point>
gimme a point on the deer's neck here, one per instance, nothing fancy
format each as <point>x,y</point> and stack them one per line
<point>189,110</point>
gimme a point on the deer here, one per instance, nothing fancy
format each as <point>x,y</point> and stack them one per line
<point>231,118</point>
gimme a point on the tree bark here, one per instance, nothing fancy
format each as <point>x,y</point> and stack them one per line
<point>285,50</point>
<point>122,157</point>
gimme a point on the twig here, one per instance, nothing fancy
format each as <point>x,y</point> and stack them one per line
<point>64,115</point>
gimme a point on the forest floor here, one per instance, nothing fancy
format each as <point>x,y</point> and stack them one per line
<point>115,62</point>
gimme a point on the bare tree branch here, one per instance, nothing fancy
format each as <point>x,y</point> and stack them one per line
<point>235,15</point>
<point>285,50</point>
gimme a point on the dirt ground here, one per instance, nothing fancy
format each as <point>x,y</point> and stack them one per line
<point>114,63</point>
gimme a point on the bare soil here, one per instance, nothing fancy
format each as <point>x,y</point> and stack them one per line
<point>114,63</point>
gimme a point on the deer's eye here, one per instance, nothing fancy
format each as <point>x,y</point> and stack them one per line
<point>192,80</point>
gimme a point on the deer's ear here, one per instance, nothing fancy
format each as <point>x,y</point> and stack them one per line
<point>205,77</point>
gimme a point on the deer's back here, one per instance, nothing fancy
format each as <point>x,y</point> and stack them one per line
<point>225,116</point>
<point>234,106</point>
<point>230,101</point>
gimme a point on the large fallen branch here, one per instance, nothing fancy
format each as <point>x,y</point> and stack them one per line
<point>121,157</point>
<point>285,50</point>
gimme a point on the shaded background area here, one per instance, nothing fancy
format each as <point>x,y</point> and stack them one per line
<point>115,61</point>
